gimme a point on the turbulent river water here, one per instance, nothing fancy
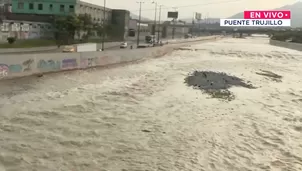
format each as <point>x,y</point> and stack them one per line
<point>143,117</point>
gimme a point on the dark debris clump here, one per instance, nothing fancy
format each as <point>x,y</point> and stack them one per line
<point>270,75</point>
<point>216,84</point>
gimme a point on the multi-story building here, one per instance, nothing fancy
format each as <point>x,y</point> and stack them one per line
<point>61,7</point>
<point>22,26</point>
<point>25,30</point>
<point>120,22</point>
<point>95,11</point>
<point>42,11</point>
<point>167,29</point>
<point>44,7</point>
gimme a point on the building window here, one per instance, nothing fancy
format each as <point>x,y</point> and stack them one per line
<point>20,5</point>
<point>62,8</point>
<point>50,7</point>
<point>71,8</point>
<point>31,6</point>
<point>40,6</point>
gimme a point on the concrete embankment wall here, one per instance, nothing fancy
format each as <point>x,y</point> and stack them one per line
<point>12,66</point>
<point>290,45</point>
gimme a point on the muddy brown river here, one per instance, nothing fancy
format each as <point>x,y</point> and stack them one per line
<point>143,117</point>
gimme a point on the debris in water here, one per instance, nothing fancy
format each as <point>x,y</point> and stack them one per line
<point>145,130</point>
<point>215,84</point>
<point>270,75</point>
<point>40,75</point>
<point>189,49</point>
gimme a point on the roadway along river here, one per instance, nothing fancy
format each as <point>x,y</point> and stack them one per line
<point>143,117</point>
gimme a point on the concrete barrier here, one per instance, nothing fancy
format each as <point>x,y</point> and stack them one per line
<point>289,45</point>
<point>12,66</point>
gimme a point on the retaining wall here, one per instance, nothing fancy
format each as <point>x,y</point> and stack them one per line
<point>49,48</point>
<point>12,66</point>
<point>290,45</point>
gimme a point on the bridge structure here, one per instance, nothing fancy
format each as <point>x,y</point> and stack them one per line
<point>249,31</point>
<point>215,28</point>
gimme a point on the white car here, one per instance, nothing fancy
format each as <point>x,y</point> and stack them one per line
<point>124,45</point>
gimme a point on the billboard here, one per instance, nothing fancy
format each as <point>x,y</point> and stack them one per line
<point>132,24</point>
<point>198,16</point>
<point>173,15</point>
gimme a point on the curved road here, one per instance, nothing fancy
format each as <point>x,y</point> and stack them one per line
<point>143,117</point>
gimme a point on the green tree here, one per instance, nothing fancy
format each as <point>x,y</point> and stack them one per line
<point>86,25</point>
<point>65,28</point>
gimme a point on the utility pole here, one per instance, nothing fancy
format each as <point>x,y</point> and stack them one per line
<point>154,31</point>
<point>208,20</point>
<point>193,22</point>
<point>199,24</point>
<point>173,30</point>
<point>104,28</point>
<point>139,22</point>
<point>159,25</point>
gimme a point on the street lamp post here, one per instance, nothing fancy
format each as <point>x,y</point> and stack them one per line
<point>159,25</point>
<point>139,22</point>
<point>103,32</point>
<point>154,31</point>
<point>173,30</point>
<point>193,22</point>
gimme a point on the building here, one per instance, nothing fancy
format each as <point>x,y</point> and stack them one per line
<point>43,11</point>
<point>25,30</point>
<point>120,24</point>
<point>5,6</point>
<point>44,7</point>
<point>95,11</point>
<point>23,26</point>
<point>62,7</point>
<point>169,29</point>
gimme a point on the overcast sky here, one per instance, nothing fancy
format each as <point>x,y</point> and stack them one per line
<point>186,8</point>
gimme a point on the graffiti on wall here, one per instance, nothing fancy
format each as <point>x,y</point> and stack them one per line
<point>89,62</point>
<point>15,68</point>
<point>69,64</point>
<point>26,30</point>
<point>26,66</point>
<point>49,65</point>
<point>4,69</point>
<point>104,60</point>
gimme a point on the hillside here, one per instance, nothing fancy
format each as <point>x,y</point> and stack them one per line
<point>296,14</point>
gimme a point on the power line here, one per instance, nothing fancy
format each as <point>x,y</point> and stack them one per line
<point>186,6</point>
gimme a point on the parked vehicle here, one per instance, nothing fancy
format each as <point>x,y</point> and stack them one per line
<point>124,45</point>
<point>150,39</point>
<point>86,47</point>
<point>68,49</point>
<point>187,36</point>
